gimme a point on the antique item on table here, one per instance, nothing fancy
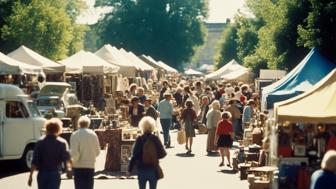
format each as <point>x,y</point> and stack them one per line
<point>299,150</point>
<point>129,134</point>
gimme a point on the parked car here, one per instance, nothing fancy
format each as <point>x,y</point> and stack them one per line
<point>45,104</point>
<point>56,95</point>
<point>21,125</point>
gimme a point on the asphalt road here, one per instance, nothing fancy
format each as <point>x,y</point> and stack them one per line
<point>181,171</point>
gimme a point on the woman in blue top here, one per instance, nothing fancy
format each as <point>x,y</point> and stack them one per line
<point>325,178</point>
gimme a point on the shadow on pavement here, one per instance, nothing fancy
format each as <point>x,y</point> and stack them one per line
<point>185,155</point>
<point>10,168</point>
<point>228,171</point>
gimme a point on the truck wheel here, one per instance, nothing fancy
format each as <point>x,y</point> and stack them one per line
<point>27,157</point>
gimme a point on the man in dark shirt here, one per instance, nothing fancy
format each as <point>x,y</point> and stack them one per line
<point>178,97</point>
<point>150,110</point>
<point>49,154</point>
<point>136,111</point>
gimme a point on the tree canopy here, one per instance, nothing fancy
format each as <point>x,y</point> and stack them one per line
<point>281,32</point>
<point>46,26</point>
<point>167,29</point>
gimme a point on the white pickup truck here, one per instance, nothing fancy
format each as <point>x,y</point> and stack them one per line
<point>20,125</point>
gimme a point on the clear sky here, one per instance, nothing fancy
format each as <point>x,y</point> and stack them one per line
<point>219,11</point>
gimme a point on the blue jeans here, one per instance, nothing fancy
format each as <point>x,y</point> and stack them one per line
<point>83,178</point>
<point>49,179</point>
<point>236,128</point>
<point>166,123</point>
<point>145,175</point>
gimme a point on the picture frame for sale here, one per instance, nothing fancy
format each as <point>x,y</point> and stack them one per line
<point>299,150</point>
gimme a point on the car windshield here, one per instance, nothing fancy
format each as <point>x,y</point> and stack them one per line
<point>33,109</point>
<point>48,102</point>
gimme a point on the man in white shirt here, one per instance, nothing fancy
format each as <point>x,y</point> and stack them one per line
<point>85,148</point>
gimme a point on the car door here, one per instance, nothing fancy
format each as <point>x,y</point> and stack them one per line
<point>18,127</point>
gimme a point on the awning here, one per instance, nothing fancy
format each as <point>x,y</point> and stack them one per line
<point>87,62</point>
<point>317,105</point>
<point>28,56</point>
<point>9,65</point>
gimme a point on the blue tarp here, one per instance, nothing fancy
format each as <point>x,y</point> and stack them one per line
<point>307,73</point>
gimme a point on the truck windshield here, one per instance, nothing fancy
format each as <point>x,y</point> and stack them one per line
<point>33,109</point>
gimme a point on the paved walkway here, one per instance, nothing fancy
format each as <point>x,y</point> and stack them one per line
<point>181,172</point>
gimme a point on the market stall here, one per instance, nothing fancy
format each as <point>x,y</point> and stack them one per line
<point>53,70</point>
<point>15,72</point>
<point>147,70</point>
<point>191,72</point>
<point>302,78</point>
<point>113,56</point>
<point>94,73</point>
<point>231,66</point>
<point>305,130</point>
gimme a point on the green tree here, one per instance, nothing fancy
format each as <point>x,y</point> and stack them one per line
<point>247,35</point>
<point>167,29</point>
<point>319,29</point>
<point>41,27</point>
<point>278,37</point>
<point>228,48</point>
<point>47,26</point>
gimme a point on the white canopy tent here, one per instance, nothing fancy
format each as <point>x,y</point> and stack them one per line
<point>9,65</point>
<point>159,64</point>
<point>113,56</point>
<point>237,75</point>
<point>136,60</point>
<point>28,56</point>
<point>232,66</point>
<point>192,72</point>
<point>87,62</point>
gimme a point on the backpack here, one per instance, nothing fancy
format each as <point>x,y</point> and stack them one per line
<point>149,153</point>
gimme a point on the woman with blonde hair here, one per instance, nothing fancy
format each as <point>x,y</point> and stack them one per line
<point>146,172</point>
<point>224,137</point>
<point>213,117</point>
<point>325,178</point>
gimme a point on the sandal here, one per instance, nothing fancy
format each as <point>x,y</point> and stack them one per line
<point>221,164</point>
<point>229,165</point>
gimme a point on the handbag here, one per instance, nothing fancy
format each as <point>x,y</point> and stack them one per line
<point>181,137</point>
<point>159,172</point>
<point>202,129</point>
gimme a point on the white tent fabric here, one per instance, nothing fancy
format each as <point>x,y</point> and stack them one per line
<point>238,75</point>
<point>136,60</point>
<point>160,64</point>
<point>192,72</point>
<point>113,56</point>
<point>317,105</point>
<point>228,68</point>
<point>87,62</point>
<point>9,65</point>
<point>171,69</point>
<point>28,56</point>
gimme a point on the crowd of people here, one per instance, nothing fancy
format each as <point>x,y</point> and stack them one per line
<point>225,109</point>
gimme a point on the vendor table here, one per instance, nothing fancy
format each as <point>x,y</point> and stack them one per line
<point>110,137</point>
